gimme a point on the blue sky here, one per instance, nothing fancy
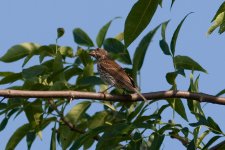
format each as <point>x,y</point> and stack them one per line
<point>37,21</point>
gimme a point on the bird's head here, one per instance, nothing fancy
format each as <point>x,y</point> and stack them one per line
<point>99,53</point>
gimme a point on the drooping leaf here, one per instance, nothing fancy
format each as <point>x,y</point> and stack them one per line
<point>210,142</point>
<point>138,19</point>
<point>77,111</point>
<point>157,142</point>
<point>81,38</point>
<point>33,71</point>
<point>19,51</point>
<point>170,77</point>
<point>53,140</point>
<point>11,78</point>
<point>175,35</point>
<point>3,123</point>
<point>30,139</point>
<point>60,32</point>
<point>185,62</point>
<point>90,81</point>
<point>163,29</point>
<point>164,47</point>
<point>117,50</point>
<point>17,136</point>
<point>140,51</point>
<point>98,119</point>
<point>178,106</point>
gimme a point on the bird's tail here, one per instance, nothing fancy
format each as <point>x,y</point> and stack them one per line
<point>139,93</point>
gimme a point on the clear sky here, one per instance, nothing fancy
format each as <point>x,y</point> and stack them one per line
<point>37,21</point>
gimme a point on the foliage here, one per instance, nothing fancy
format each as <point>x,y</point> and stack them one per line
<point>124,126</point>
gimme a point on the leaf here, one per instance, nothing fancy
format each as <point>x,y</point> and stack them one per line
<point>17,136</point>
<point>175,35</point>
<point>90,81</point>
<point>218,20</point>
<point>214,125</point>
<point>140,51</point>
<point>136,142</point>
<point>170,77</point>
<point>11,78</point>
<point>58,68</point>
<point>102,33</point>
<point>117,50</point>
<point>221,93</point>
<point>185,62</point>
<point>177,105</point>
<point>120,36</point>
<point>114,135</point>
<point>210,142</point>
<point>164,47</point>
<point>66,51</point>
<point>163,29</point>
<point>60,32</point>
<point>53,140</point>
<point>3,123</point>
<point>33,71</point>
<point>138,19</point>
<point>172,4</point>
<point>85,137</point>
<point>77,111</point>
<point>157,142</point>
<point>98,119</point>
<point>30,139</point>
<point>71,72</point>
<point>81,38</point>
<point>19,51</point>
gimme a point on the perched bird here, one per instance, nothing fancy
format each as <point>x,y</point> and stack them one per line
<point>112,73</point>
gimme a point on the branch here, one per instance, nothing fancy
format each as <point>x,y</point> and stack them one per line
<point>68,123</point>
<point>201,97</point>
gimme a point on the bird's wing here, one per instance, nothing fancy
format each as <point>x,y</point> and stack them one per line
<point>121,77</point>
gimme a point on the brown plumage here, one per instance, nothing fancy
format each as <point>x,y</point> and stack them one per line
<point>112,73</point>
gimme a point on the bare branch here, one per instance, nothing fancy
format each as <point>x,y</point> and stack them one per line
<point>201,97</point>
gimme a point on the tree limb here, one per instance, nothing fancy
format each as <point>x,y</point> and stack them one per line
<point>201,97</point>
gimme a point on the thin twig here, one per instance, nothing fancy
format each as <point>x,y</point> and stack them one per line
<point>201,97</point>
<point>68,123</point>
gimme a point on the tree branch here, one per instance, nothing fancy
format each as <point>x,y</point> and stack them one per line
<point>201,97</point>
<point>68,123</point>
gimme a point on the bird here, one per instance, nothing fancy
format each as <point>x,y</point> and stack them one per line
<point>112,73</point>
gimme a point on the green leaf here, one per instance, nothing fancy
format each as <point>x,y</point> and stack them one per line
<point>221,92</point>
<point>90,81</point>
<point>53,140</point>
<point>77,111</point>
<point>60,32</point>
<point>71,72</point>
<point>210,142</point>
<point>164,47</point>
<point>177,105</point>
<point>34,112</point>
<point>163,29</point>
<point>3,106</point>
<point>213,125</point>
<point>66,51</point>
<point>138,19</point>
<point>114,135</point>
<point>117,50</point>
<point>102,33</point>
<point>19,51</point>
<point>140,51</point>
<point>136,142</point>
<point>58,68</point>
<point>120,36</point>
<point>218,20</point>
<point>185,62</point>
<point>30,139</point>
<point>33,71</point>
<point>27,59</point>
<point>98,119</point>
<point>157,142</point>
<point>3,123</point>
<point>17,136</point>
<point>172,4</point>
<point>81,38</point>
<point>170,77</point>
<point>88,135</point>
<point>11,78</point>
<point>175,35</point>
<point>84,57</point>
